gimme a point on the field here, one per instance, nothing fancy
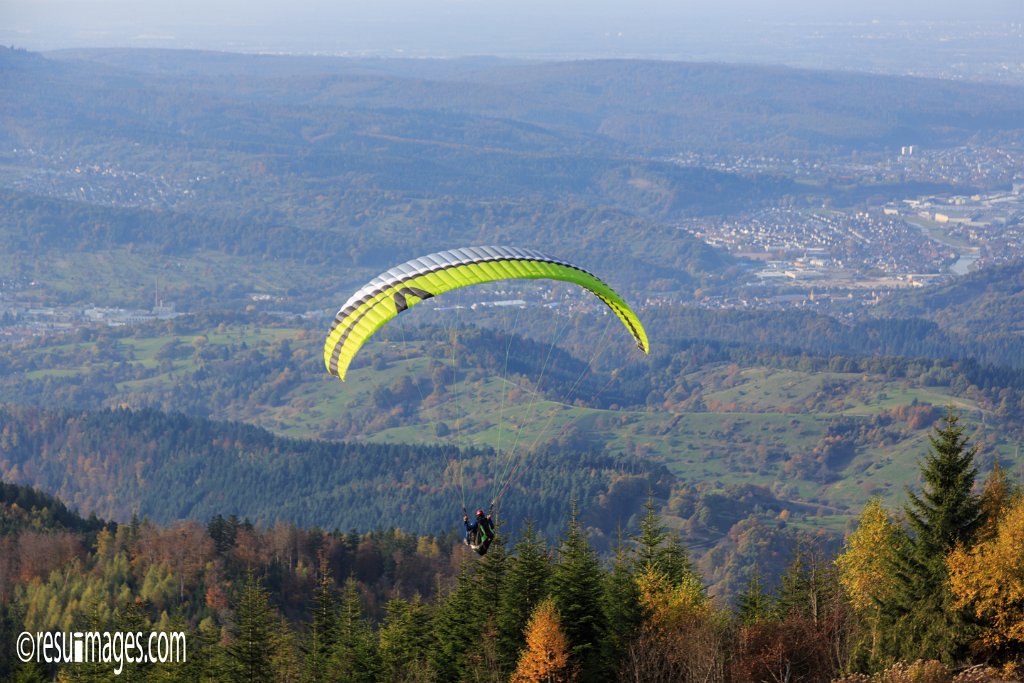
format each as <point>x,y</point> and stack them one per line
<point>758,425</point>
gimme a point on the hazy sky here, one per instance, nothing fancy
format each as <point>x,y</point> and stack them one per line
<point>460,27</point>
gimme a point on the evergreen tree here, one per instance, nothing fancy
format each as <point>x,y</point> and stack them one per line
<point>11,667</point>
<point>576,586</point>
<point>525,584</point>
<point>754,604</point>
<point>30,672</point>
<point>648,541</point>
<point>794,587</point>
<point>405,642</point>
<point>674,561</point>
<point>660,549</point>
<point>810,585</point>
<point>354,656</point>
<point>483,661</point>
<point>920,620</point>
<point>623,610</point>
<point>204,661</point>
<point>284,654</point>
<point>10,627</point>
<point>948,512</point>
<point>94,618</point>
<point>251,649</point>
<point>131,618</point>
<point>458,624</point>
<point>323,626</point>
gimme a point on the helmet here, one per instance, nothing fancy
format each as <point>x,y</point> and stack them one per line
<point>479,513</point>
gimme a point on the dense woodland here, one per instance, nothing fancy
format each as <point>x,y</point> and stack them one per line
<point>913,592</point>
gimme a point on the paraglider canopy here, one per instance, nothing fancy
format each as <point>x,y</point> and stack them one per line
<point>405,285</point>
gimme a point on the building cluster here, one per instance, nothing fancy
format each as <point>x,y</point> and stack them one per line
<point>841,260</point>
<point>997,163</point>
<point>106,184</point>
<point>802,244</point>
<point>988,227</point>
<point>22,322</point>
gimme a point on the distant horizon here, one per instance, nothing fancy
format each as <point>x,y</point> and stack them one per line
<point>915,37</point>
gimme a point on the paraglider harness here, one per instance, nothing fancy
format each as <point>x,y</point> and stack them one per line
<point>480,533</point>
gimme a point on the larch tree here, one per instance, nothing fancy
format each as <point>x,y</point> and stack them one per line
<point>865,573</point>
<point>997,495</point>
<point>546,657</point>
<point>988,580</point>
<point>681,636</point>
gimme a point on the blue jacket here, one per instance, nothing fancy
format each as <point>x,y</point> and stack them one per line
<point>483,523</point>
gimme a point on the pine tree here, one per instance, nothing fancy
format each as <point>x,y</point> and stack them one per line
<point>10,627</point>
<point>623,610</point>
<point>754,604</point>
<point>354,656</point>
<point>794,586</point>
<point>483,661</point>
<point>251,649</point>
<point>674,561</point>
<point>948,512</point>
<point>458,624</point>
<point>919,619</point>
<point>131,618</point>
<point>660,549</point>
<point>11,667</point>
<point>576,586</point>
<point>94,618</point>
<point>648,541</point>
<point>810,588</point>
<point>204,657</point>
<point>284,654</point>
<point>323,627</point>
<point>525,584</point>
<point>406,641</point>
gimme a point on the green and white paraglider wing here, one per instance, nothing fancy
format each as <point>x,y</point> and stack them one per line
<point>403,286</point>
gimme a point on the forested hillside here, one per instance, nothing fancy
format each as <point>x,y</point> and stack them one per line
<point>169,467</point>
<point>281,603</point>
<point>742,444</point>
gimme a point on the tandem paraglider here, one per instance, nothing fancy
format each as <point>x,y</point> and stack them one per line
<point>400,288</point>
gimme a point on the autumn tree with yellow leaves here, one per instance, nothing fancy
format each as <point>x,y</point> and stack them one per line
<point>865,570</point>
<point>682,636</point>
<point>546,657</point>
<point>988,580</point>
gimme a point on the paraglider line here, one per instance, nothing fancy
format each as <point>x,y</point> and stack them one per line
<point>531,408</point>
<point>575,385</point>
